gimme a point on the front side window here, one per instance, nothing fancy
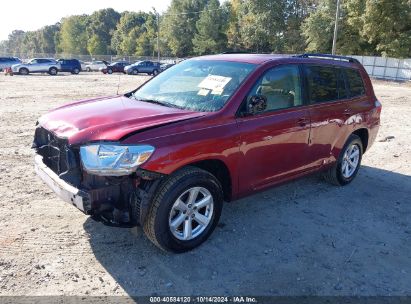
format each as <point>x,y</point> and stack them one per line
<point>197,85</point>
<point>280,86</point>
<point>355,82</point>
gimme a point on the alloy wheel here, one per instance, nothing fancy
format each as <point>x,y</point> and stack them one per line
<point>350,160</point>
<point>191,213</point>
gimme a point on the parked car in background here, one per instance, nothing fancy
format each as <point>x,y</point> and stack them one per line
<point>115,67</point>
<point>7,62</point>
<point>148,67</point>
<point>211,129</point>
<point>165,66</point>
<point>69,65</point>
<point>83,65</point>
<point>96,65</point>
<point>37,65</point>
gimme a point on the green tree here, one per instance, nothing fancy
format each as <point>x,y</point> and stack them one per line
<point>129,29</point>
<point>387,24</point>
<point>146,44</point>
<point>319,26</point>
<point>233,27</point>
<point>211,27</point>
<point>100,28</point>
<point>262,25</point>
<point>178,25</point>
<point>296,12</point>
<point>73,34</point>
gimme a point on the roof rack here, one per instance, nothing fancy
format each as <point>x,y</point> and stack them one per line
<point>327,56</point>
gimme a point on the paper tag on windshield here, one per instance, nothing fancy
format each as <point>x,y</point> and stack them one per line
<point>217,91</point>
<point>203,92</point>
<point>214,82</point>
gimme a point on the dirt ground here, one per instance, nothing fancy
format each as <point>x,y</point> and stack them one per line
<point>303,238</point>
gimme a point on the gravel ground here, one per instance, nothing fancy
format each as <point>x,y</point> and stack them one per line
<point>303,238</point>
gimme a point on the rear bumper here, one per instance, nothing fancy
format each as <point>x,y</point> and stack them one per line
<point>68,193</point>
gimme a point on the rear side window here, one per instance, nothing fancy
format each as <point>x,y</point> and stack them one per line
<point>322,83</point>
<point>355,82</point>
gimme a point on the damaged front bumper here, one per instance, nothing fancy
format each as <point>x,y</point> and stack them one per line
<point>121,203</point>
<point>65,191</point>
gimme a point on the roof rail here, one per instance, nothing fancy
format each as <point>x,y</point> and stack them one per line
<point>327,56</point>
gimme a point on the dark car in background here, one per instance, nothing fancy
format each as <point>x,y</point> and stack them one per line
<point>115,67</point>
<point>148,67</point>
<point>7,62</point>
<point>72,66</point>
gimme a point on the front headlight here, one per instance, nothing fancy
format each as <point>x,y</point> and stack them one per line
<point>113,159</point>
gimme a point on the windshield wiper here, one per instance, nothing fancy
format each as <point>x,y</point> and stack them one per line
<point>162,103</point>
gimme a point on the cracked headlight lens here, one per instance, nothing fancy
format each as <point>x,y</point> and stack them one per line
<point>113,159</point>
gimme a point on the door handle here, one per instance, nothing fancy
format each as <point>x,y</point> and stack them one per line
<point>302,121</point>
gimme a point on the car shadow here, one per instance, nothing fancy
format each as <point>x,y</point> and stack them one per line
<point>302,238</point>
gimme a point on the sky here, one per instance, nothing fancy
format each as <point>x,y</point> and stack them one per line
<point>28,15</point>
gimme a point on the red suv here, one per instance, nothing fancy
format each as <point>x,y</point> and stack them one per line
<point>210,129</point>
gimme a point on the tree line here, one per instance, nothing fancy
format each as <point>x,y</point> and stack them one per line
<point>197,27</point>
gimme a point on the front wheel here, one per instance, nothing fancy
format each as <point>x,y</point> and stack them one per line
<point>53,71</point>
<point>110,71</point>
<point>348,163</point>
<point>135,72</point>
<point>23,71</point>
<point>185,210</point>
<point>76,71</point>
<point>155,72</point>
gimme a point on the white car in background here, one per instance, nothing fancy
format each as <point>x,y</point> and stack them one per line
<point>96,65</point>
<point>37,65</point>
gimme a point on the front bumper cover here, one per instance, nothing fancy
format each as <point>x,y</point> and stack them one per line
<point>76,197</point>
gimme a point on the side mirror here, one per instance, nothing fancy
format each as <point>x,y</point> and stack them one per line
<point>257,104</point>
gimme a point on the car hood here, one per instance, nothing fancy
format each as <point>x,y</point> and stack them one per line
<point>109,118</point>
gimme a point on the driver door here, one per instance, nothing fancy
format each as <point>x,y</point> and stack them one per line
<point>274,141</point>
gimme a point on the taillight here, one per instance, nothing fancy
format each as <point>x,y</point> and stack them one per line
<point>377,104</point>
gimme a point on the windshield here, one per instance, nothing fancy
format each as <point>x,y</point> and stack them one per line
<point>197,85</point>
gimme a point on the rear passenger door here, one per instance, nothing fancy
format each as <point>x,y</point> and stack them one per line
<point>331,111</point>
<point>274,142</point>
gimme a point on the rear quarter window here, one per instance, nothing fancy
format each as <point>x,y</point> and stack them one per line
<point>355,82</point>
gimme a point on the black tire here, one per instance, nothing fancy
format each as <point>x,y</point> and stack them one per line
<point>156,225</point>
<point>76,71</point>
<point>23,71</point>
<point>155,72</point>
<point>53,71</point>
<point>134,72</point>
<point>110,71</point>
<point>334,175</point>
<point>88,69</point>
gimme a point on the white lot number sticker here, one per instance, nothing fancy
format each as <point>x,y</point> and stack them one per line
<point>214,83</point>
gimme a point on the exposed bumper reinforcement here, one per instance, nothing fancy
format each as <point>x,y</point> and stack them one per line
<point>65,191</point>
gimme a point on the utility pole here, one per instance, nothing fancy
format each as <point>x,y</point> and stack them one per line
<point>337,15</point>
<point>158,37</point>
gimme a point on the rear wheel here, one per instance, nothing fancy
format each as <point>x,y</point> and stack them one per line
<point>185,210</point>
<point>348,163</point>
<point>76,71</point>
<point>24,71</point>
<point>53,71</point>
<point>155,72</point>
<point>88,69</point>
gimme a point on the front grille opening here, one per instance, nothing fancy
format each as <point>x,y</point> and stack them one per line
<point>58,155</point>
